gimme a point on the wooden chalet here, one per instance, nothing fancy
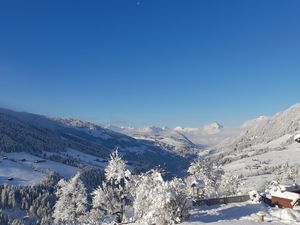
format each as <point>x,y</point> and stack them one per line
<point>286,196</point>
<point>198,188</point>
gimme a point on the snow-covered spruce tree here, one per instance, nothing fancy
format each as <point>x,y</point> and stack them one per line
<point>110,197</point>
<point>150,200</point>
<point>36,200</point>
<point>159,202</point>
<point>206,171</point>
<point>72,200</point>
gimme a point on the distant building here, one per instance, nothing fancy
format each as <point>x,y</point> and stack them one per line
<point>40,161</point>
<point>198,188</point>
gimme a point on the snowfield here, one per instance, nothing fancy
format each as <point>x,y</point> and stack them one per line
<point>256,169</point>
<point>21,174</point>
<point>25,170</point>
<point>63,169</point>
<point>241,214</point>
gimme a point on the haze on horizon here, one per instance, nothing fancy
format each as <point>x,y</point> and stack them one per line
<point>150,62</point>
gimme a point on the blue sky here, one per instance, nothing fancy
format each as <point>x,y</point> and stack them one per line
<point>161,62</point>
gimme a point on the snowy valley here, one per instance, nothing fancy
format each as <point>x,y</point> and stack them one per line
<point>150,178</point>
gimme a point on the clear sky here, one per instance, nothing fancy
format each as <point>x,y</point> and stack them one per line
<point>160,62</point>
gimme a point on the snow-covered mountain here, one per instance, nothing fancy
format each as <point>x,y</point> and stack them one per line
<point>213,128</point>
<point>254,122</point>
<point>210,134</point>
<point>264,129</point>
<point>264,151</point>
<point>66,143</point>
<point>182,138</point>
<point>164,137</point>
<point>266,141</point>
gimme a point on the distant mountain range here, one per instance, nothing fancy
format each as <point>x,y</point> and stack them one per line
<point>53,138</point>
<point>70,144</point>
<point>207,135</point>
<point>166,138</point>
<point>258,151</point>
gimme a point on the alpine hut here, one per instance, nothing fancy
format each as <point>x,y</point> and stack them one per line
<point>286,196</point>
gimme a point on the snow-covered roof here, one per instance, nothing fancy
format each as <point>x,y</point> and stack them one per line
<point>287,187</point>
<point>297,136</point>
<point>287,195</point>
<point>198,183</point>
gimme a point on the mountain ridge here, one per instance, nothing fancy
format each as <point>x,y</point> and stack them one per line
<point>49,138</point>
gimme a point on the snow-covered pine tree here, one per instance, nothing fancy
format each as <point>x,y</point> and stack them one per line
<point>72,200</point>
<point>150,199</point>
<point>110,197</point>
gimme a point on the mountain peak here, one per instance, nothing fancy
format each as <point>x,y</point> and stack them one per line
<point>295,106</point>
<point>152,129</point>
<point>212,128</point>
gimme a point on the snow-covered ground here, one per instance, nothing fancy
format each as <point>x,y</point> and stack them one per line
<point>256,169</point>
<point>241,214</point>
<point>21,174</point>
<point>25,170</point>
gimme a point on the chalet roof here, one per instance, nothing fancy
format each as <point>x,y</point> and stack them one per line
<point>297,136</point>
<point>198,184</point>
<point>287,187</point>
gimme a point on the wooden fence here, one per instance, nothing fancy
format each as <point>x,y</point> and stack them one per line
<point>223,200</point>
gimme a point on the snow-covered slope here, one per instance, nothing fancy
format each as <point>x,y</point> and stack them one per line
<point>265,151</point>
<point>240,214</point>
<point>210,134</point>
<point>166,138</point>
<point>266,129</point>
<point>181,138</point>
<point>86,127</point>
<point>21,168</point>
<point>253,150</point>
<point>254,122</point>
<point>51,138</point>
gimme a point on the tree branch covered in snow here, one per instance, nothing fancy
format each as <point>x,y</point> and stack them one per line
<point>206,171</point>
<point>72,201</point>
